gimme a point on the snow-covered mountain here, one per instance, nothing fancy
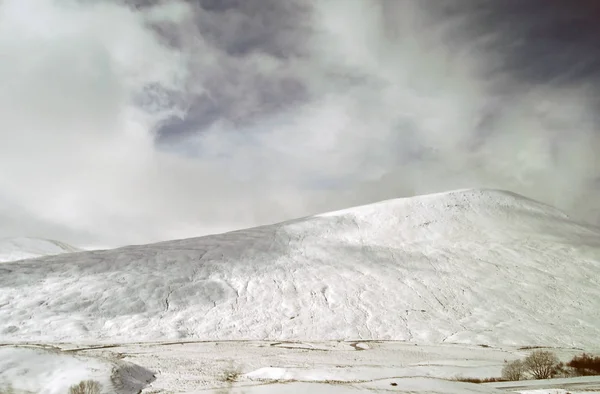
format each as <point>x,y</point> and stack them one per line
<point>13,249</point>
<point>470,266</point>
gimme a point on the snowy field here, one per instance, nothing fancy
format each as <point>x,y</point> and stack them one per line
<point>447,285</point>
<point>284,367</point>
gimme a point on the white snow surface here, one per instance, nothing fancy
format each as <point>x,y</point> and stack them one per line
<point>49,371</point>
<point>588,384</point>
<point>13,249</point>
<point>327,367</point>
<point>469,266</point>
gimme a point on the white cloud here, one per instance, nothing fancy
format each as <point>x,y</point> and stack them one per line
<point>369,100</point>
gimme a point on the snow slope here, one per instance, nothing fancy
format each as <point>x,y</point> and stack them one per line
<point>13,249</point>
<point>470,266</point>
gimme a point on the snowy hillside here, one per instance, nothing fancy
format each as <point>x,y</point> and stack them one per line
<point>13,249</point>
<point>471,266</point>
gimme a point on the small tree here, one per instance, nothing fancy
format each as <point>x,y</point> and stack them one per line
<point>86,387</point>
<point>541,364</point>
<point>513,370</point>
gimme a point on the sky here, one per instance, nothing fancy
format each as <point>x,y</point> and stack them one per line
<point>137,121</point>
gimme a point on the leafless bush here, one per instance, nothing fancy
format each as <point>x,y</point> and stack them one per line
<point>231,374</point>
<point>541,364</point>
<point>513,370</point>
<point>86,387</point>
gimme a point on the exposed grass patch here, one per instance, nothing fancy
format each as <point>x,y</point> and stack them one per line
<point>7,389</point>
<point>531,347</point>
<point>477,380</point>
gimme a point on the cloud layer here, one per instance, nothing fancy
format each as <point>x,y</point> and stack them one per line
<point>126,123</point>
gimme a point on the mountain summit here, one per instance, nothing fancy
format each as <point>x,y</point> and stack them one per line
<point>468,266</point>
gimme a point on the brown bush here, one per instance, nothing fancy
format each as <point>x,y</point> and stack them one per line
<point>585,364</point>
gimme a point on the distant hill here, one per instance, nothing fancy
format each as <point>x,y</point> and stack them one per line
<point>12,249</point>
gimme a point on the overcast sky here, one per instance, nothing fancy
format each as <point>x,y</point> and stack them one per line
<point>132,122</point>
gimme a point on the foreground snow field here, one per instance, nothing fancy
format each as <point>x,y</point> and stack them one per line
<point>314,367</point>
<point>13,249</point>
<point>471,267</point>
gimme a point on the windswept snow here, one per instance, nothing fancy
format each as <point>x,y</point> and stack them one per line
<point>470,266</point>
<point>326,367</point>
<point>38,370</point>
<point>584,384</point>
<point>13,249</point>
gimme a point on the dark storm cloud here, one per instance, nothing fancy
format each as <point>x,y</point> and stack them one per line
<point>277,28</point>
<point>535,42</point>
<point>235,31</point>
<point>541,41</point>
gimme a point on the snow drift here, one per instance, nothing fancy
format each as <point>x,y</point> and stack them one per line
<point>50,371</point>
<point>470,266</point>
<point>13,249</point>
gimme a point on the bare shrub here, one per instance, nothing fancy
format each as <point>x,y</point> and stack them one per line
<point>585,364</point>
<point>231,374</point>
<point>513,370</point>
<point>541,364</point>
<point>86,387</point>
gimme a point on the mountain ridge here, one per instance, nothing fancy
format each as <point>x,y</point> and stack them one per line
<point>21,248</point>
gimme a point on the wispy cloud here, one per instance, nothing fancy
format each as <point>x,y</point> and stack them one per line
<point>124,124</point>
